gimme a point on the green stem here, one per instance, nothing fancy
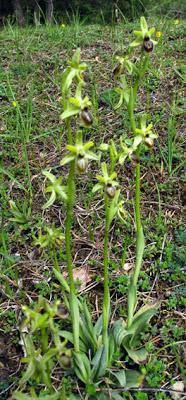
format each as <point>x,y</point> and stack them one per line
<point>139,229</point>
<point>68,242</point>
<point>106,295</point>
<point>68,224</point>
<point>54,259</point>
<point>132,290</point>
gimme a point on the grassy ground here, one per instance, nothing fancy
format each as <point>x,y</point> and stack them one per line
<point>32,138</point>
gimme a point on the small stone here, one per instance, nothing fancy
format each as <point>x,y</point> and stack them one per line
<point>178,387</point>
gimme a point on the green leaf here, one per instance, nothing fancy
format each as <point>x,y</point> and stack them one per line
<point>61,280</point>
<point>98,326</point>
<point>99,363</point>
<point>82,367</point>
<point>119,331</point>
<point>120,377</point>
<point>133,379</point>
<point>138,356</point>
<point>140,320</point>
<point>87,326</point>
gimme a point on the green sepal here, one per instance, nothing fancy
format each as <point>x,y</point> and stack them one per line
<point>143,24</point>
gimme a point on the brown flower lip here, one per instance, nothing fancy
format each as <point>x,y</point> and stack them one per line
<point>86,117</point>
<point>117,70</point>
<point>110,191</point>
<point>66,361</point>
<point>148,45</point>
<point>82,164</point>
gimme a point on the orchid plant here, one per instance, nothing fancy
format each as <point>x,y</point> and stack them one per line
<point>88,347</point>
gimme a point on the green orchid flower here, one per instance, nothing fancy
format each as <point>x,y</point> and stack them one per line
<point>144,134</point>
<point>106,182</point>
<point>57,191</point>
<point>123,63</point>
<point>124,91</point>
<point>53,238</point>
<point>78,105</point>
<point>73,71</point>
<point>126,151</point>
<point>81,153</point>
<point>143,37</point>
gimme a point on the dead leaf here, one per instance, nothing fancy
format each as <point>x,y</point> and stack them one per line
<point>81,275</point>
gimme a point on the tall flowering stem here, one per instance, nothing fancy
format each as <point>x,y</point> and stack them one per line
<point>68,242</point>
<point>106,295</point>
<point>132,291</point>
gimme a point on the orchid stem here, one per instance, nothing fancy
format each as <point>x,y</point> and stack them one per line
<point>68,241</point>
<point>106,295</point>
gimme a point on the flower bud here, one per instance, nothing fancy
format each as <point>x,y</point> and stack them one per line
<point>148,45</point>
<point>110,191</point>
<point>81,164</point>
<point>86,117</point>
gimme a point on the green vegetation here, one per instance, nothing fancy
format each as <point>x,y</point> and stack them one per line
<point>75,327</point>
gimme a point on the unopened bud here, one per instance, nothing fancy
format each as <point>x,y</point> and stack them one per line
<point>82,164</point>
<point>86,117</point>
<point>111,191</point>
<point>148,45</point>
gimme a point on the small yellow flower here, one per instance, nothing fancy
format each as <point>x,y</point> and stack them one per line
<point>62,26</point>
<point>14,104</point>
<point>158,34</point>
<point>176,22</point>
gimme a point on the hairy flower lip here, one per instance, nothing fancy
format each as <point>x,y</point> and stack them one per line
<point>81,164</point>
<point>110,191</point>
<point>148,45</point>
<point>86,117</point>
